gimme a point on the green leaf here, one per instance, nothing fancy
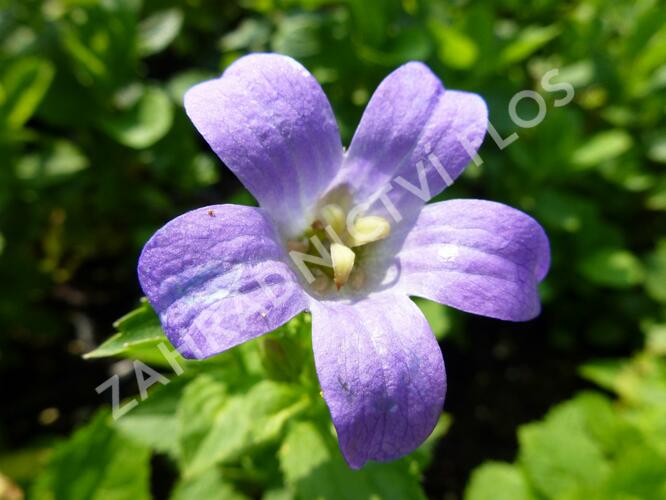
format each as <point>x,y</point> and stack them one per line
<point>297,35</point>
<point>604,373</point>
<point>139,337</point>
<point>59,158</point>
<point>182,82</point>
<point>252,34</point>
<point>154,422</point>
<point>655,280</point>
<point>96,463</point>
<point>560,455</point>
<point>99,39</point>
<point>578,74</point>
<point>656,338</point>
<point>613,268</point>
<point>314,468</point>
<point>437,316</point>
<point>218,426</point>
<point>498,481</point>
<point>145,123</point>
<point>602,147</point>
<point>657,198</point>
<point>528,41</point>
<point>656,150</point>
<point>422,456</point>
<point>455,49</point>
<point>640,472</point>
<point>23,84</point>
<point>158,30</point>
<point>207,486</point>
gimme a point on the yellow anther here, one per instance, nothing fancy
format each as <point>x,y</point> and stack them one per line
<point>343,263</point>
<point>368,229</point>
<point>334,217</point>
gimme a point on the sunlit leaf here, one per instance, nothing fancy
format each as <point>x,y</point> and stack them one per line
<point>219,426</point>
<point>210,485</point>
<point>182,82</point>
<point>139,337</point>
<point>96,463</point>
<point>603,146</point>
<point>143,124</point>
<point>455,49</point>
<point>437,316</point>
<point>560,454</point>
<point>315,469</point>
<point>657,147</point>
<point>158,30</point>
<point>60,158</point>
<point>528,41</point>
<point>612,267</point>
<point>498,481</point>
<point>154,422</point>
<point>23,84</point>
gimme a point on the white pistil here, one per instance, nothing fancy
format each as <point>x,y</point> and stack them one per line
<point>343,263</point>
<point>368,229</point>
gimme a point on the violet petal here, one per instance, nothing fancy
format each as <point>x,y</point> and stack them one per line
<point>412,120</point>
<point>268,119</point>
<point>478,256</point>
<point>217,277</point>
<point>381,373</point>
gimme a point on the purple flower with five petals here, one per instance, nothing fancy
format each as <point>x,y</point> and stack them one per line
<point>347,236</point>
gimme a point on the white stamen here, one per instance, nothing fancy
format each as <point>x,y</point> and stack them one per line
<point>368,229</point>
<point>343,263</point>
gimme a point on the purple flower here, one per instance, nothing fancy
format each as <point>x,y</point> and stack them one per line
<point>346,236</point>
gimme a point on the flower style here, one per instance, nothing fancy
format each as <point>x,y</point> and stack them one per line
<point>347,236</point>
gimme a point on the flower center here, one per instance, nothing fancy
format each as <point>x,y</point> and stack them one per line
<point>329,252</point>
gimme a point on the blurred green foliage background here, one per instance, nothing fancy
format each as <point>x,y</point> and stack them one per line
<point>97,154</point>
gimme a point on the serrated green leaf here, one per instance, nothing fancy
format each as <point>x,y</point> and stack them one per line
<point>313,468</point>
<point>209,485</point>
<point>154,422</point>
<point>498,481</point>
<point>139,337</point>
<point>560,455</point>
<point>96,463</point>
<point>219,426</point>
